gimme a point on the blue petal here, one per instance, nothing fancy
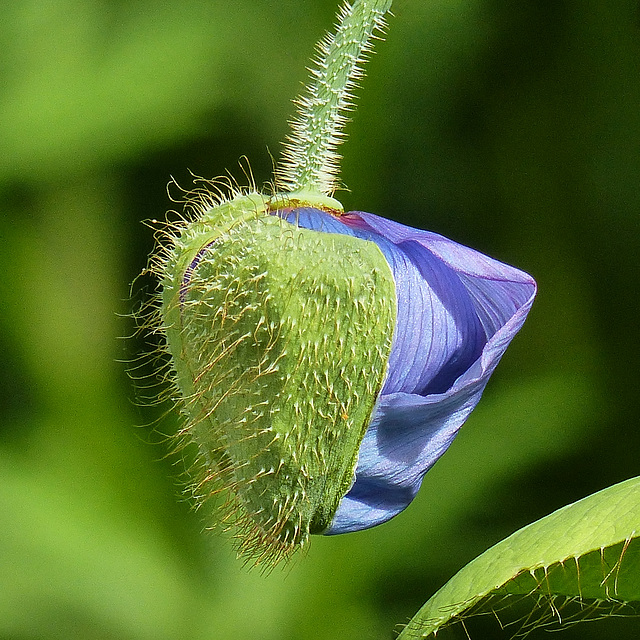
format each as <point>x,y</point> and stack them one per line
<point>438,334</point>
<point>487,303</point>
<point>315,219</point>
<point>407,435</point>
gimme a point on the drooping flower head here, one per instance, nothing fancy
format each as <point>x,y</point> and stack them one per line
<point>327,360</point>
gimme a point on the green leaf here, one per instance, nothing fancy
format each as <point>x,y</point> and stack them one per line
<point>586,552</point>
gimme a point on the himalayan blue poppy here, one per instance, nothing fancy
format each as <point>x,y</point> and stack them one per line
<point>325,360</point>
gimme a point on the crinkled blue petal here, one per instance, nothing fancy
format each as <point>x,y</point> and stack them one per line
<point>457,312</point>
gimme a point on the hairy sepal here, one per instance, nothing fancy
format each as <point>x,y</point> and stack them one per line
<point>280,338</point>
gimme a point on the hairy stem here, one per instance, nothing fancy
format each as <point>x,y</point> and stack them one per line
<point>310,160</point>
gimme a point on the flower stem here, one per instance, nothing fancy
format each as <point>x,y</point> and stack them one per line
<point>310,161</point>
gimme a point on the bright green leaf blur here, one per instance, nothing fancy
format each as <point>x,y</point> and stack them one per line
<point>513,128</point>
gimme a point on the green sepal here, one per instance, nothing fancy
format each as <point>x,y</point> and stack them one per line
<point>280,338</point>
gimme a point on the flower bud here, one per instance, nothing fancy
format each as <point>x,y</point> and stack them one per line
<point>326,360</point>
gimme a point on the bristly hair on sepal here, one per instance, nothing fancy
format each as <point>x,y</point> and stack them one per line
<point>226,347</point>
<point>310,160</point>
<point>208,480</point>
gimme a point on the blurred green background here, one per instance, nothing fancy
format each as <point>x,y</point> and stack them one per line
<point>513,127</point>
